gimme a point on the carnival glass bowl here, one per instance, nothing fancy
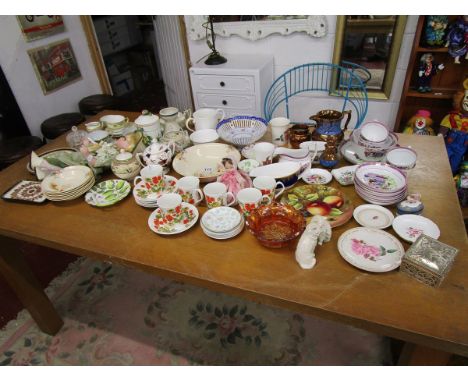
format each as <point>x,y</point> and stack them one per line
<point>275,225</point>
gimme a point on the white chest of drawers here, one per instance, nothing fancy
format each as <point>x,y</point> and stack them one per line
<point>238,87</point>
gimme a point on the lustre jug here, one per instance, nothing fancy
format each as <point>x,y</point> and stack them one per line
<point>329,125</point>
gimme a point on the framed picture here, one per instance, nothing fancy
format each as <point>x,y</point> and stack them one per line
<point>36,27</point>
<point>55,65</point>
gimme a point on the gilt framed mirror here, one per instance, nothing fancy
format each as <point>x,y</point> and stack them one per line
<point>370,45</point>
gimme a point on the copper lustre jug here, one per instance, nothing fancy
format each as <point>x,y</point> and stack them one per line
<point>329,124</point>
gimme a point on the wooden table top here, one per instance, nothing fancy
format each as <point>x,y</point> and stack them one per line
<point>391,303</point>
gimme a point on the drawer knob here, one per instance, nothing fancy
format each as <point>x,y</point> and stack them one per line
<point>224,102</point>
<point>222,84</point>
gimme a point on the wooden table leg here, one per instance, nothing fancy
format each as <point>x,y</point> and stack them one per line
<point>19,276</point>
<point>417,355</point>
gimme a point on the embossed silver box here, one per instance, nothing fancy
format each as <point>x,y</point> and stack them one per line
<point>428,260</point>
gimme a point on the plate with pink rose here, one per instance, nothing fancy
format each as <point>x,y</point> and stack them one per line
<point>371,249</point>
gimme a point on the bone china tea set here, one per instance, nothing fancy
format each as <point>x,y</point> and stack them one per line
<point>229,178</point>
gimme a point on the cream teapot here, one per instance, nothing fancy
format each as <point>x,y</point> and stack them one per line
<point>157,153</point>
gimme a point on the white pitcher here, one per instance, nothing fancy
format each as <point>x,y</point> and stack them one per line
<point>205,119</point>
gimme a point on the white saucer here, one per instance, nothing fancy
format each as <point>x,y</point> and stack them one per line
<point>316,176</point>
<point>173,229</point>
<point>373,216</point>
<point>409,227</point>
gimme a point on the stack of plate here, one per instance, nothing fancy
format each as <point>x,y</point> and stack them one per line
<point>380,183</point>
<point>222,223</point>
<point>68,184</point>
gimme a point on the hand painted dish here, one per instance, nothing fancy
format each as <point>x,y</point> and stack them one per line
<point>316,176</point>
<point>409,227</point>
<point>371,249</point>
<point>372,216</point>
<point>344,175</point>
<point>204,161</point>
<point>50,156</point>
<point>247,165</point>
<point>108,192</point>
<point>321,200</point>
<point>380,177</point>
<point>187,218</point>
<point>25,191</point>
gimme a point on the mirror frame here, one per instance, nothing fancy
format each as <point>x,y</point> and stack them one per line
<point>397,40</point>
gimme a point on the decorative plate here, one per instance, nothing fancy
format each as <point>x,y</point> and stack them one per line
<point>108,192</point>
<point>188,217</point>
<point>221,219</point>
<point>146,192</point>
<point>372,216</point>
<point>370,249</point>
<point>409,227</point>
<point>380,177</point>
<point>55,157</point>
<point>25,191</point>
<point>204,161</point>
<point>344,175</point>
<point>68,179</point>
<point>322,200</point>
<point>241,130</point>
<point>316,176</point>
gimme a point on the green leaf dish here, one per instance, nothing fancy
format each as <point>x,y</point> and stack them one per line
<point>108,192</point>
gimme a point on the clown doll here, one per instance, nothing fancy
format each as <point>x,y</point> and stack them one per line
<point>420,124</point>
<point>457,39</point>
<point>427,69</point>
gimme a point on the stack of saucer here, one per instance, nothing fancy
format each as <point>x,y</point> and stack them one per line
<point>146,195</point>
<point>68,184</point>
<point>380,183</point>
<point>222,223</point>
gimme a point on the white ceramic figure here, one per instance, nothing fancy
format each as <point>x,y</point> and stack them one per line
<point>318,231</point>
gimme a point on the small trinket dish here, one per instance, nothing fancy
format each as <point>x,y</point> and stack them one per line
<point>373,216</point>
<point>428,260</point>
<point>344,175</point>
<point>316,176</point>
<point>25,191</point>
<point>247,165</point>
<point>409,227</point>
<point>411,205</point>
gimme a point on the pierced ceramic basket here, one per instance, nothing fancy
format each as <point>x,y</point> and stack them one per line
<point>241,130</point>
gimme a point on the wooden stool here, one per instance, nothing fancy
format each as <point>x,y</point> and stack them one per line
<point>55,126</point>
<point>96,103</point>
<point>15,148</point>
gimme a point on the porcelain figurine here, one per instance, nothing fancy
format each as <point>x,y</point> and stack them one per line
<point>420,124</point>
<point>234,179</point>
<point>427,69</point>
<point>318,231</point>
<point>457,39</point>
<point>435,30</point>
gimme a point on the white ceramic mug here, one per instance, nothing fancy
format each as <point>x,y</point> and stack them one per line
<point>279,128</point>
<point>268,185</point>
<point>188,188</point>
<point>153,176</point>
<point>171,207</point>
<point>217,195</point>
<point>263,152</point>
<point>205,119</point>
<point>250,199</point>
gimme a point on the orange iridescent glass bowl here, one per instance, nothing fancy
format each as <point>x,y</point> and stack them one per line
<point>276,225</point>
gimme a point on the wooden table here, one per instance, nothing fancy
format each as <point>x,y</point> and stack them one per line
<point>390,304</point>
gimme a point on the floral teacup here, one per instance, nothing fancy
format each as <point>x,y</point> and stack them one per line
<point>153,177</point>
<point>187,187</point>
<point>217,195</point>
<point>250,199</point>
<point>267,186</point>
<point>171,208</point>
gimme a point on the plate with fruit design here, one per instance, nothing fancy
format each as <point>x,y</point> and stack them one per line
<point>316,199</point>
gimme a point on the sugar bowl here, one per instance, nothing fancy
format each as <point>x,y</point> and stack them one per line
<point>125,165</point>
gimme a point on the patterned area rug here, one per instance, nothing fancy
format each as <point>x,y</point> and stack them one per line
<point>118,316</point>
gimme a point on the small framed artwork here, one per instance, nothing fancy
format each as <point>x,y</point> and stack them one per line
<point>36,27</point>
<point>55,65</point>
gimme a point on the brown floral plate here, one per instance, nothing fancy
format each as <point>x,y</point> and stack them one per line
<point>25,191</point>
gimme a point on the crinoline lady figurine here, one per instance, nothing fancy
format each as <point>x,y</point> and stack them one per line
<point>234,179</point>
<point>427,69</point>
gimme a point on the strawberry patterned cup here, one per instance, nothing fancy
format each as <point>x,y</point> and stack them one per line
<point>153,177</point>
<point>268,186</point>
<point>171,208</point>
<point>250,199</point>
<point>217,195</point>
<point>188,188</point>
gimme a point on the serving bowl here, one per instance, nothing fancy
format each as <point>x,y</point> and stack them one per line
<point>275,225</point>
<point>241,130</point>
<point>204,161</point>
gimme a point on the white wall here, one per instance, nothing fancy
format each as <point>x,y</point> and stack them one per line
<point>15,62</point>
<point>300,48</point>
